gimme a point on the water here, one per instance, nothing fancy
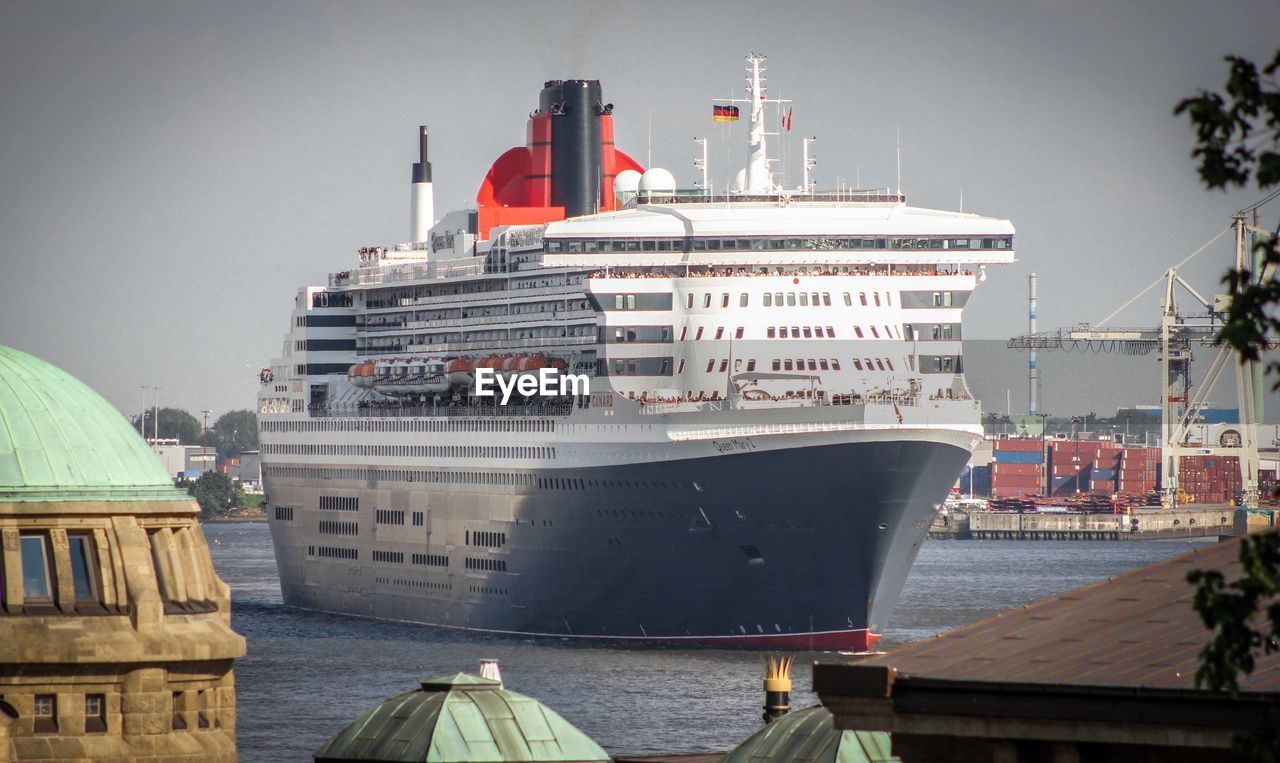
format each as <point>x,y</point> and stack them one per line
<point>307,675</point>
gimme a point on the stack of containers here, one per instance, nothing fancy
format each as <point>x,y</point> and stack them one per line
<point>1017,469</point>
<point>1069,465</point>
<point>1104,475</point>
<point>1209,479</point>
<point>1139,471</point>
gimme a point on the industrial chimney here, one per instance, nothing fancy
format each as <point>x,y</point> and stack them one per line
<point>422,206</point>
<point>777,687</point>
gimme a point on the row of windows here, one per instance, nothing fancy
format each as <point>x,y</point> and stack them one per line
<point>399,475</point>
<point>628,334</point>
<point>392,557</point>
<point>778,244</point>
<point>171,552</point>
<point>389,517</point>
<point>801,364</point>
<point>931,331</point>
<point>428,584</point>
<point>641,301</point>
<point>339,503</point>
<point>430,560</point>
<point>321,345</point>
<point>338,527</point>
<point>486,538</point>
<point>417,519</point>
<point>489,590</point>
<point>463,478</point>
<point>39,583</point>
<point>488,565</point>
<point>408,451</point>
<point>333,552</point>
<point>441,424</point>
<point>44,713</point>
<point>634,367</point>
<point>284,513</point>
<point>795,332</point>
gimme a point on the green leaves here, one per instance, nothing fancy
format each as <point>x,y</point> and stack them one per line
<point>1230,610</point>
<point>1224,127</point>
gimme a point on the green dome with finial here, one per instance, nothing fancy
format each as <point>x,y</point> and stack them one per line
<point>461,718</point>
<point>60,440</point>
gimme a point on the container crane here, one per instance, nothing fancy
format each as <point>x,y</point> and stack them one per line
<point>1173,339</point>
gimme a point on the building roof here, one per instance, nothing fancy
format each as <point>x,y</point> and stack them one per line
<point>461,718</point>
<point>1132,630</point>
<point>810,736</point>
<point>59,440</point>
<point>1113,663</point>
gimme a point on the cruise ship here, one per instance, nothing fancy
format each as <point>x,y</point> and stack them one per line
<point>766,403</point>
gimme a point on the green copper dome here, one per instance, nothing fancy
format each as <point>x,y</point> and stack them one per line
<point>810,736</point>
<point>461,718</point>
<point>59,440</point>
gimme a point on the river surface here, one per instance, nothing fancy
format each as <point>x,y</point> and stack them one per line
<point>307,674</point>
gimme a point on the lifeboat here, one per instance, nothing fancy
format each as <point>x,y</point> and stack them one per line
<point>433,378</point>
<point>532,364</point>
<point>459,372</point>
<point>361,374</point>
<point>510,366</point>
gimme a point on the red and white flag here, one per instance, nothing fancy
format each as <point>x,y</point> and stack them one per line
<point>786,119</point>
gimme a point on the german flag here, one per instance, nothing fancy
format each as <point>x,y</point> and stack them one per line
<point>724,113</point>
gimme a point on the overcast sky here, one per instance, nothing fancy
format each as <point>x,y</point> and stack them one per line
<point>171,172</point>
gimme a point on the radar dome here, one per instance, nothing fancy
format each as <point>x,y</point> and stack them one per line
<point>626,181</point>
<point>657,180</point>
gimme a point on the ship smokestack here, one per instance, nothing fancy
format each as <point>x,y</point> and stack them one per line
<point>777,687</point>
<point>575,107</point>
<point>422,206</point>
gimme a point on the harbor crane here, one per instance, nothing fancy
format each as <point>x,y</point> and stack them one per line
<point>1174,339</point>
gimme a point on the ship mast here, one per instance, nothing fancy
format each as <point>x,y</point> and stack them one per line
<point>757,178</point>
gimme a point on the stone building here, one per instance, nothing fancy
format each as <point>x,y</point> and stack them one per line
<point>115,631</point>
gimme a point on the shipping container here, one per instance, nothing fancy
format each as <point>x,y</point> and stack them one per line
<point>1018,457</point>
<point>1000,468</point>
<point>1023,446</point>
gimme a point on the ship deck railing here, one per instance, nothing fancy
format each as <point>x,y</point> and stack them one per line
<point>702,196</point>
<point>442,411</point>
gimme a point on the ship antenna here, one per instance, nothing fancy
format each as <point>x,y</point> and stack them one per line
<point>898,131</point>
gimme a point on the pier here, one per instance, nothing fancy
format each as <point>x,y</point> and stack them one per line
<point>1140,524</point>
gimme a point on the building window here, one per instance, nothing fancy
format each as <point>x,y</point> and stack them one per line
<point>862,297</point>
<point>804,299</point>
<point>95,713</point>
<point>37,587</point>
<point>743,299</point>
<point>751,365</point>
<point>711,364</point>
<point>738,334</point>
<point>84,565</point>
<point>719,332</point>
<point>45,713</point>
<point>706,300</point>
<point>179,722</point>
<point>724,300</point>
<point>768,299</point>
<point>771,332</point>
<point>698,335</point>
<point>848,300</point>
<point>689,301</point>
<point>791,299</point>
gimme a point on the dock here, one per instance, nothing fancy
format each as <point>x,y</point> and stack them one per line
<point>1193,521</point>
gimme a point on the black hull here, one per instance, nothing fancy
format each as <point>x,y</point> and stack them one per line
<point>763,548</point>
